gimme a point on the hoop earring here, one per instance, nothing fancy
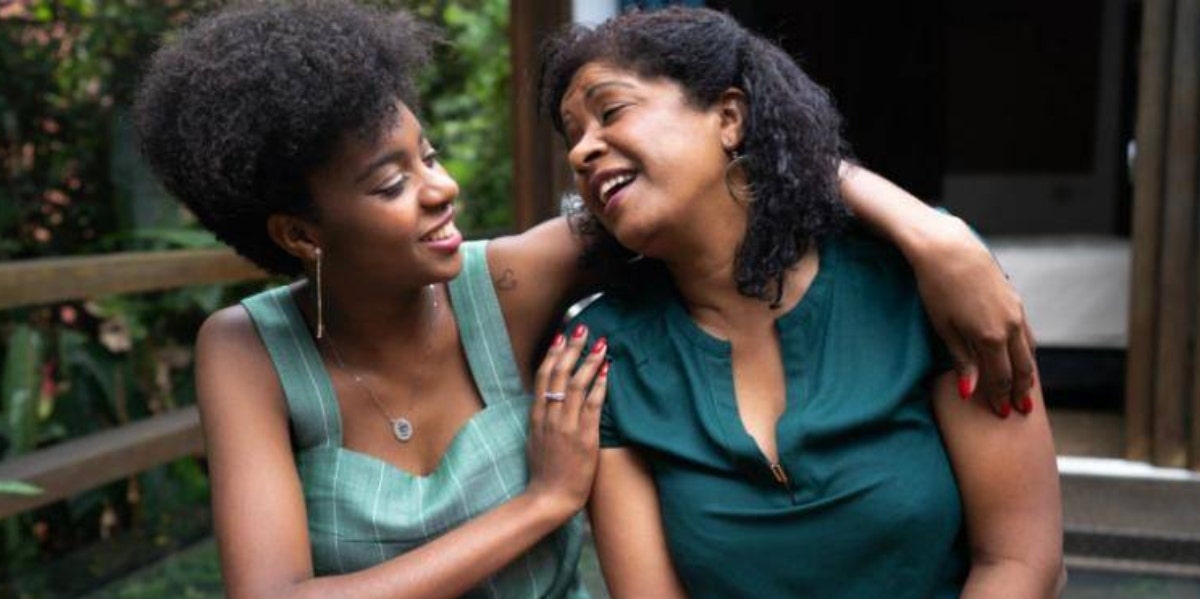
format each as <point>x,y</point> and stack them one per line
<point>320,299</point>
<point>744,194</point>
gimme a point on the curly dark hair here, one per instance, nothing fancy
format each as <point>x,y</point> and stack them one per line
<point>238,111</point>
<point>792,141</point>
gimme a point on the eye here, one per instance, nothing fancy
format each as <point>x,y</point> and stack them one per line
<point>394,189</point>
<point>430,157</point>
<point>611,112</point>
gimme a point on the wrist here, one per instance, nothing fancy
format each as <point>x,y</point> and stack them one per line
<point>548,509</point>
<point>933,236</point>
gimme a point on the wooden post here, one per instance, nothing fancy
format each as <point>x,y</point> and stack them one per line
<point>1175,284</point>
<point>1183,170</point>
<point>1153,87</point>
<point>539,168</point>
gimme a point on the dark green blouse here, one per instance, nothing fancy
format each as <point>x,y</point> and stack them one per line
<point>870,509</point>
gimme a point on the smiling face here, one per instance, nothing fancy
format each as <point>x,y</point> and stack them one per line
<point>647,163</point>
<point>386,209</point>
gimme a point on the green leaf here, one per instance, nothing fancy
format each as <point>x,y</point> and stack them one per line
<point>16,487</point>
<point>19,388</point>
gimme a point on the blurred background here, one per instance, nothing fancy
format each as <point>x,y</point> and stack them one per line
<point>1065,132</point>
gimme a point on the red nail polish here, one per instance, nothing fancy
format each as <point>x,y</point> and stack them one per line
<point>579,331</point>
<point>558,340</point>
<point>1026,405</point>
<point>964,388</point>
<point>600,345</point>
<point>604,369</point>
<point>1005,410</point>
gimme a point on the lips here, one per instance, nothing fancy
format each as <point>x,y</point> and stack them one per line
<point>442,233</point>
<point>444,237</point>
<point>444,229</point>
<point>606,184</point>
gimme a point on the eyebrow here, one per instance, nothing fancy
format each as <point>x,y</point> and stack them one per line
<point>396,156</point>
<point>595,89</point>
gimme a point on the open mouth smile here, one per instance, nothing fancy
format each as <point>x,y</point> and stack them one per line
<point>608,185</point>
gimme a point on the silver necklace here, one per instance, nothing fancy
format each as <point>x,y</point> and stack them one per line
<point>401,427</point>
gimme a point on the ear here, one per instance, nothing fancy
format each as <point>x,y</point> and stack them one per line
<point>296,235</point>
<point>732,110</point>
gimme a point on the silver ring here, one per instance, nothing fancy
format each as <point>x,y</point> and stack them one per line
<point>554,396</point>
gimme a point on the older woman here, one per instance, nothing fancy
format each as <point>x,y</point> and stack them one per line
<point>369,427</point>
<point>780,420</point>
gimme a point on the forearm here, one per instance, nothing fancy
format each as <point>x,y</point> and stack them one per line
<point>888,209</point>
<point>1003,578</point>
<point>448,566</point>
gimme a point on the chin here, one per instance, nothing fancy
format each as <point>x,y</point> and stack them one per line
<point>443,270</point>
<point>633,239</point>
<point>452,267</point>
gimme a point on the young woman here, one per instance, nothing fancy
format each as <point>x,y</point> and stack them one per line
<point>780,420</point>
<point>368,427</point>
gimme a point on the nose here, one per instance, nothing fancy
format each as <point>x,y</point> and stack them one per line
<point>439,188</point>
<point>586,150</point>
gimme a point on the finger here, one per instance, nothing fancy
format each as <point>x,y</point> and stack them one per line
<point>561,371</point>
<point>541,382</point>
<point>995,378</point>
<point>1030,340</point>
<point>1021,358</point>
<point>581,381</point>
<point>964,362</point>
<point>589,417</point>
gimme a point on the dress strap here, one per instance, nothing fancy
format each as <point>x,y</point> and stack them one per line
<point>312,405</point>
<point>482,330</point>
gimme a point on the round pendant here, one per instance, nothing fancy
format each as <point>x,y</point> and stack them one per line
<point>402,429</point>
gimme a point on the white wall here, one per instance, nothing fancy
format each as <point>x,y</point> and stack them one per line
<point>592,12</point>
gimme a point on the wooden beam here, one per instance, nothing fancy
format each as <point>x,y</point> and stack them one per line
<point>1153,85</point>
<point>82,464</point>
<point>48,280</point>
<point>539,167</point>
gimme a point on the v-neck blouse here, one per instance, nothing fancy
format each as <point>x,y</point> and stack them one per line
<point>362,510</point>
<point>870,508</point>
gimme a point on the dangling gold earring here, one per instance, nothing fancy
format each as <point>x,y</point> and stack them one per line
<point>739,160</point>
<point>320,299</point>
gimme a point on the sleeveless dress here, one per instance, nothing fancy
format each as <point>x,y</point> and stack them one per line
<point>362,510</point>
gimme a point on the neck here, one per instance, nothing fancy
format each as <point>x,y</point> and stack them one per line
<point>701,253</point>
<point>710,293</point>
<point>375,325</point>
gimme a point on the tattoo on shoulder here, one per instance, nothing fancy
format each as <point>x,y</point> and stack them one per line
<point>507,280</point>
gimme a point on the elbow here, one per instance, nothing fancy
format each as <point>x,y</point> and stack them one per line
<point>1033,576</point>
<point>1060,584</point>
<point>285,591</point>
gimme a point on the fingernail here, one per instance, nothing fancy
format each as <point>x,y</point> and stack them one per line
<point>964,388</point>
<point>604,369</point>
<point>579,331</point>
<point>1026,405</point>
<point>558,340</point>
<point>601,343</point>
<point>1005,410</point>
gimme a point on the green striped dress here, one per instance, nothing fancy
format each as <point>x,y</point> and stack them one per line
<point>362,510</point>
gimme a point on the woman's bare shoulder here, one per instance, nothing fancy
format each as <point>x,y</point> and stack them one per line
<point>231,359</point>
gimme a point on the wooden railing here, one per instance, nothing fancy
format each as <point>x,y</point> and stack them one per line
<point>82,464</point>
